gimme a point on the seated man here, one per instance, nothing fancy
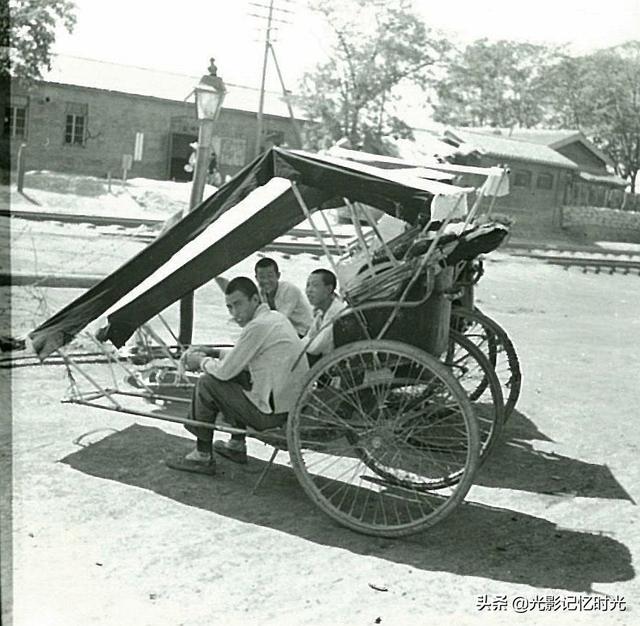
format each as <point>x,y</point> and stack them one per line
<point>268,346</point>
<point>283,296</point>
<point>321,287</point>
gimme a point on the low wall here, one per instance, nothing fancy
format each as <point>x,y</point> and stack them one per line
<point>538,224</point>
<point>600,223</point>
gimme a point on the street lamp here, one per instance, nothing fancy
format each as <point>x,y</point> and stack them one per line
<point>209,94</point>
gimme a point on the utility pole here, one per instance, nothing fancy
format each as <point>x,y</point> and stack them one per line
<point>287,99</point>
<point>267,45</point>
<point>271,12</point>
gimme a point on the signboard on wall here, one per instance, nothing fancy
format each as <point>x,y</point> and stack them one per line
<point>137,149</point>
<point>232,151</point>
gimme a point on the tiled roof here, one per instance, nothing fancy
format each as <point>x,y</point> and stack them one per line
<point>82,72</point>
<point>552,137</point>
<point>503,147</point>
<point>543,136</point>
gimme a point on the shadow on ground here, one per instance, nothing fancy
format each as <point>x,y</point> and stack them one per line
<point>516,464</point>
<point>476,540</point>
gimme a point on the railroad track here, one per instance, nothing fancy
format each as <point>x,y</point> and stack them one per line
<point>152,227</point>
<point>530,248</point>
<point>587,258</point>
<point>595,264</point>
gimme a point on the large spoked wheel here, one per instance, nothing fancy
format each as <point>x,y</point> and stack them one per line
<point>474,372</point>
<point>377,427</point>
<point>494,342</point>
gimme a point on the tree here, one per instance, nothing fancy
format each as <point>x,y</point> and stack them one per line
<point>28,34</point>
<point>376,48</point>
<point>599,94</point>
<point>497,84</point>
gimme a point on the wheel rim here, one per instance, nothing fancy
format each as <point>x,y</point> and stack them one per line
<point>495,344</point>
<point>377,427</point>
<point>476,374</point>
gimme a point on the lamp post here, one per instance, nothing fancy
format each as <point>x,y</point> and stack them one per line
<point>209,94</point>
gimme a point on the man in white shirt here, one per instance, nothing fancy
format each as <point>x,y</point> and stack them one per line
<point>321,292</point>
<point>283,296</point>
<point>268,347</point>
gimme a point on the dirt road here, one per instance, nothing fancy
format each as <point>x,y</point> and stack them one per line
<point>105,534</point>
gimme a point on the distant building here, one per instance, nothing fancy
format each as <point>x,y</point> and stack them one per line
<point>595,184</point>
<point>90,117</point>
<point>549,168</point>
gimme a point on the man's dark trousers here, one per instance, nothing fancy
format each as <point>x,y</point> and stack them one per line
<point>212,395</point>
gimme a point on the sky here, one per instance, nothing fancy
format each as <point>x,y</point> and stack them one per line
<point>181,36</point>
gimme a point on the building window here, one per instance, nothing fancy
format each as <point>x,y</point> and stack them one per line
<point>522,178</point>
<point>75,129</point>
<point>15,121</point>
<point>544,181</point>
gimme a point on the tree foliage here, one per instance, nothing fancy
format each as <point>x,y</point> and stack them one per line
<point>494,84</point>
<point>599,94</point>
<point>376,48</point>
<point>28,34</point>
<point>510,84</point>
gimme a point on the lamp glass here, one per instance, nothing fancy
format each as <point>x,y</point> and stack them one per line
<point>208,102</point>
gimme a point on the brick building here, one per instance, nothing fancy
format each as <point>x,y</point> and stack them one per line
<point>88,116</point>
<point>548,170</point>
<point>548,167</point>
<point>594,183</point>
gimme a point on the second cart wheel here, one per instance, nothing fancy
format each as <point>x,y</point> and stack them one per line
<point>478,378</point>
<point>494,342</point>
<point>378,425</point>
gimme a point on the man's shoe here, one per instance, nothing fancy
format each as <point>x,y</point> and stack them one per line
<point>195,462</point>
<point>228,451</point>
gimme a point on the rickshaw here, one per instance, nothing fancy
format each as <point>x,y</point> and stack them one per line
<point>390,427</point>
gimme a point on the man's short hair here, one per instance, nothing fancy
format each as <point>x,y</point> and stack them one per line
<point>328,278</point>
<point>265,263</point>
<point>242,284</point>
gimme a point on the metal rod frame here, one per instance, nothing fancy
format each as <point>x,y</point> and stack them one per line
<point>120,364</point>
<point>360,235</point>
<point>264,472</point>
<point>423,263</point>
<point>70,363</point>
<point>307,213</point>
<point>376,231</point>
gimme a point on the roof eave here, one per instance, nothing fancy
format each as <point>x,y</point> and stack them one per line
<point>581,137</point>
<point>569,165</point>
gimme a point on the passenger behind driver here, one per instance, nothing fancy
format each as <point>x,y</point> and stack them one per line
<point>279,295</point>
<point>282,296</point>
<point>327,305</point>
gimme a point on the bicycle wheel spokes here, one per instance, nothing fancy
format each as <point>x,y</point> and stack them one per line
<point>478,378</point>
<point>379,424</point>
<point>495,344</point>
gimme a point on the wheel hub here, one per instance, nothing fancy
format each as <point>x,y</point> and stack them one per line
<point>379,438</point>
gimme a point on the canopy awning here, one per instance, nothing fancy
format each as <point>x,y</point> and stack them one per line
<point>250,211</point>
<point>497,183</point>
